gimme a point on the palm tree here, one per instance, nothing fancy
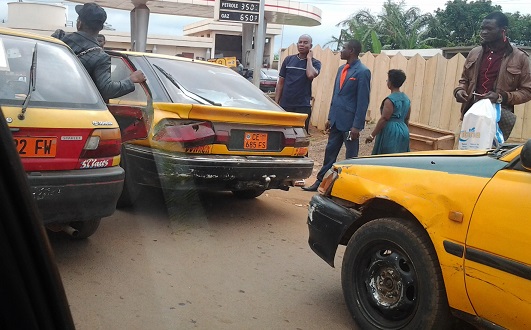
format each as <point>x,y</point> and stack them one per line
<point>359,26</point>
<point>395,28</point>
<point>403,28</point>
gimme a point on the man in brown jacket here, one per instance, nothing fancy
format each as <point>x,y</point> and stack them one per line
<point>497,71</point>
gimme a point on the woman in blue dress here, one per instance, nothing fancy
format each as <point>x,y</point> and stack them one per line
<point>391,133</point>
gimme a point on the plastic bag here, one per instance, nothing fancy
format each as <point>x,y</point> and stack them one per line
<point>480,126</point>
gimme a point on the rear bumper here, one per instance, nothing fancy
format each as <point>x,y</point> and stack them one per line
<point>222,172</point>
<point>78,195</point>
<point>327,224</point>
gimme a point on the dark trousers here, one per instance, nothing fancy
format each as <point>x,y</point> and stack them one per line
<point>335,142</point>
<point>304,110</point>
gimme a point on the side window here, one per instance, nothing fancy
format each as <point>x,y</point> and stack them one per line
<point>119,71</point>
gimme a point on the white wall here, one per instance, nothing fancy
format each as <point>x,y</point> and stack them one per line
<point>36,15</point>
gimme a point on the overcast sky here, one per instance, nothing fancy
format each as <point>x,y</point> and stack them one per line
<point>334,11</point>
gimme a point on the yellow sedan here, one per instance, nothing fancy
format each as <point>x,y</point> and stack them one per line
<point>428,235</point>
<point>212,129</point>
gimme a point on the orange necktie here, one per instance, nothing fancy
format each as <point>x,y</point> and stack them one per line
<point>343,75</point>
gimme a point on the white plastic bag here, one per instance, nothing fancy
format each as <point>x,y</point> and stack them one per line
<point>480,126</point>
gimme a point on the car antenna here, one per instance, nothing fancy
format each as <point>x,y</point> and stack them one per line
<point>31,88</point>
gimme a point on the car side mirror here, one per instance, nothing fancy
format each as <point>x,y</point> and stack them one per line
<point>525,155</point>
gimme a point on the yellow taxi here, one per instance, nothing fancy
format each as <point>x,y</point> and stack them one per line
<point>428,235</point>
<point>212,129</point>
<point>68,140</point>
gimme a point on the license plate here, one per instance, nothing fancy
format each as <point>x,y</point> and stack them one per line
<point>255,141</point>
<point>36,146</point>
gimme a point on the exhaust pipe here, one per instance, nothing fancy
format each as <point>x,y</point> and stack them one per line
<point>70,230</point>
<point>57,227</point>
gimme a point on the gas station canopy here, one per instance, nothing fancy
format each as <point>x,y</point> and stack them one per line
<point>278,12</point>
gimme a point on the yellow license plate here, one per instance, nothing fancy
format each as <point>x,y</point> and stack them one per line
<point>36,146</point>
<point>255,141</point>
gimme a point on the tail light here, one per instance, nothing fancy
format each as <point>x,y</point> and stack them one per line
<point>103,143</point>
<point>188,133</point>
<point>300,140</point>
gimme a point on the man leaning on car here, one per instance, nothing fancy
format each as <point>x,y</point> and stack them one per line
<point>85,45</point>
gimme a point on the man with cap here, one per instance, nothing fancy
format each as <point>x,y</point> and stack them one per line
<point>85,45</point>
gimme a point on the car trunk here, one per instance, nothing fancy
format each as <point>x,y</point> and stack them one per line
<point>221,130</point>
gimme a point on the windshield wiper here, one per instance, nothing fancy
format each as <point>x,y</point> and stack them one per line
<point>184,90</point>
<point>32,82</point>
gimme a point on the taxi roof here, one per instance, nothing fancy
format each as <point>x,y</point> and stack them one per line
<point>20,33</point>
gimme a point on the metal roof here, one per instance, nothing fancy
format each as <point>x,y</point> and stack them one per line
<point>276,11</point>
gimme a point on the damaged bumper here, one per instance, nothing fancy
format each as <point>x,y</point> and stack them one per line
<point>327,223</point>
<point>80,195</point>
<point>174,170</point>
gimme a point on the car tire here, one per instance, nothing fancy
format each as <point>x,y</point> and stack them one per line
<point>130,190</point>
<point>85,229</point>
<point>248,193</point>
<point>391,277</point>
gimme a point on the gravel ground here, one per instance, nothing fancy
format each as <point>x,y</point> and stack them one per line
<point>318,141</point>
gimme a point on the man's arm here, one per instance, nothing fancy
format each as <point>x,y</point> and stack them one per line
<point>523,93</point>
<point>280,83</point>
<point>110,89</point>
<point>279,89</point>
<point>311,71</point>
<point>362,104</point>
<point>460,92</point>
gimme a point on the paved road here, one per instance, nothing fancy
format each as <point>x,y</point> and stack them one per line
<point>205,262</point>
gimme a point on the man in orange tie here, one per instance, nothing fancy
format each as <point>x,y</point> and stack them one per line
<point>348,108</point>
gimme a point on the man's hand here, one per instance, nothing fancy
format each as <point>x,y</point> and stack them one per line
<point>354,133</point>
<point>138,76</point>
<point>461,96</point>
<point>492,96</point>
<point>327,127</point>
<point>310,55</point>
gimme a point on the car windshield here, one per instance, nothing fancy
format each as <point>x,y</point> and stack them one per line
<point>60,80</point>
<point>271,73</point>
<point>217,84</point>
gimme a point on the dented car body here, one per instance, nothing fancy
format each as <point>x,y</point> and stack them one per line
<point>428,234</point>
<point>211,130</point>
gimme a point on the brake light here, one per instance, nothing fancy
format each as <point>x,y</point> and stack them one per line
<point>300,140</point>
<point>188,133</point>
<point>222,137</point>
<point>103,143</point>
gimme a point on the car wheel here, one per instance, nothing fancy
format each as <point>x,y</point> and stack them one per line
<point>248,193</point>
<point>85,228</point>
<point>131,189</point>
<point>392,279</point>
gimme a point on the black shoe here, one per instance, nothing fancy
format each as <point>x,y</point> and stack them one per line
<point>313,187</point>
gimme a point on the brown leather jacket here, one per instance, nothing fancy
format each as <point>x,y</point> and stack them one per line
<point>514,77</point>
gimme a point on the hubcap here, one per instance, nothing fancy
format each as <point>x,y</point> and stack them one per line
<point>390,280</point>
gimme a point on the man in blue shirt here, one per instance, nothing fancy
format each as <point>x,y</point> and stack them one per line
<point>294,86</point>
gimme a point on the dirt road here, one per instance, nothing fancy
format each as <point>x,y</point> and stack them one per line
<point>208,261</point>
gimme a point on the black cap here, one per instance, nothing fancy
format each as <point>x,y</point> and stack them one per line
<point>91,12</point>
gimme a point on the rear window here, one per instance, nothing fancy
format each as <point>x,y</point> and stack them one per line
<point>217,84</point>
<point>60,81</point>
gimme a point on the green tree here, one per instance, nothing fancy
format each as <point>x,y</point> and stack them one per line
<point>396,27</point>
<point>519,29</point>
<point>458,23</point>
<point>403,28</point>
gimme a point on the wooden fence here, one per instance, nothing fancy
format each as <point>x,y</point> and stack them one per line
<point>429,85</point>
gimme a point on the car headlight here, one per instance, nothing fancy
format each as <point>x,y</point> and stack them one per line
<point>325,188</point>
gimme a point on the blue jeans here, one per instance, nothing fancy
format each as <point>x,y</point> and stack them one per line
<point>335,142</point>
